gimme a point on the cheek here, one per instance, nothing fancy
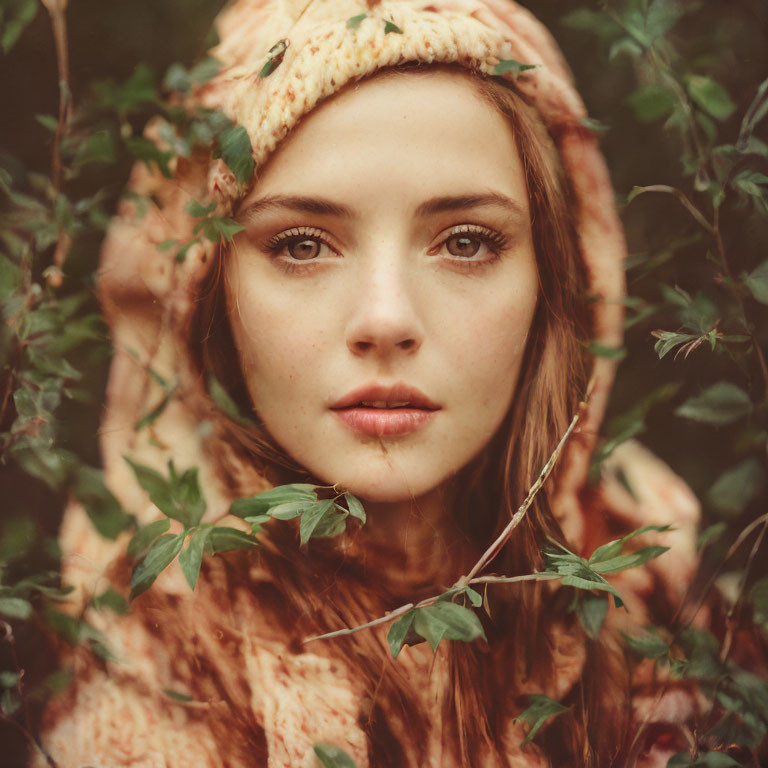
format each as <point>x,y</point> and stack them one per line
<point>276,343</point>
<point>489,341</point>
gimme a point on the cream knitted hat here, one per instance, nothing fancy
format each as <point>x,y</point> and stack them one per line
<point>280,58</point>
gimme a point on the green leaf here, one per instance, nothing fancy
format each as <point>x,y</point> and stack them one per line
<point>649,646</point>
<point>17,17</point>
<point>274,58</point>
<point>704,760</point>
<point>722,403</point>
<point>235,147</point>
<point>8,679</point>
<point>474,597</point>
<point>353,22</point>
<point>101,506</point>
<point>399,631</point>
<point>166,245</point>
<point>595,22</point>
<point>652,102</point>
<point>668,340</point>
<point>151,417</point>
<point>198,210</point>
<point>291,509</point>
<point>539,710</point>
<point>15,608</point>
<point>390,26</point>
<point>355,507</point>
<point>158,488</point>
<point>613,548</point>
<point>176,696</point>
<point>150,154</point>
<point>74,631</point>
<point>191,558</point>
<point>737,486</point>
<point>624,562</point>
<point>112,600</point>
<point>182,252</point>
<point>757,283</point>
<point>757,110</point>
<point>591,611</point>
<point>510,65</point>
<point>612,353</point>
<point>227,228</point>
<point>49,122</point>
<point>186,493</point>
<point>311,518</point>
<point>226,404</point>
<point>161,554</point>
<point>449,621</point>
<point>224,538</point>
<point>141,542</point>
<point>263,502</point>
<point>710,96</point>
<point>758,596</point>
<point>710,534</point>
<point>333,757</point>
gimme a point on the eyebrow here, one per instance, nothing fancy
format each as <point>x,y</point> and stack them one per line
<point>322,207</point>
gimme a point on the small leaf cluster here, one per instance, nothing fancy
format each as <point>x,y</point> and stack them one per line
<point>441,620</point>
<point>739,716</point>
<point>580,573</point>
<point>179,498</point>
<point>318,518</point>
<point>211,227</point>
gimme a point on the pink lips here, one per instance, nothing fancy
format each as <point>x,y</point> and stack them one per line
<point>405,410</point>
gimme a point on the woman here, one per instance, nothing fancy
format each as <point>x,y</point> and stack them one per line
<point>426,252</point>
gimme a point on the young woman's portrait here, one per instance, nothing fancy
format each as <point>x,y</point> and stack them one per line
<point>384,386</point>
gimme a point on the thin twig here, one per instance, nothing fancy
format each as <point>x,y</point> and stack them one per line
<point>763,519</point>
<point>517,518</point>
<point>56,10</point>
<point>487,556</point>
<point>351,630</point>
<point>514,579</point>
<point>25,730</point>
<point>726,649</point>
<point>689,206</point>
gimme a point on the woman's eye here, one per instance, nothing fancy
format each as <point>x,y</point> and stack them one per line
<point>473,243</point>
<point>463,246</point>
<point>298,244</point>
<point>303,250</point>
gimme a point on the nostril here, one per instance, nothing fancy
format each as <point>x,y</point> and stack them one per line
<point>407,344</point>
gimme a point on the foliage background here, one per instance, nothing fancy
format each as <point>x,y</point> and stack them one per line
<point>654,101</point>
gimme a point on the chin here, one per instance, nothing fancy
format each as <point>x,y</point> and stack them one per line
<point>387,490</point>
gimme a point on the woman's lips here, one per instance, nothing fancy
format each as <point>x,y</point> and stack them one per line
<point>380,422</point>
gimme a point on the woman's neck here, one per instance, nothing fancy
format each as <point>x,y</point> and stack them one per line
<point>414,544</point>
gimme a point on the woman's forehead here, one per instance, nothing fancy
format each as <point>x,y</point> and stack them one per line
<point>414,137</point>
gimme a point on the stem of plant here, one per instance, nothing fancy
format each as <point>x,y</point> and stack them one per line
<point>489,554</point>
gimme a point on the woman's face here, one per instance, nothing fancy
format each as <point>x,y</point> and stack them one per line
<point>387,260</point>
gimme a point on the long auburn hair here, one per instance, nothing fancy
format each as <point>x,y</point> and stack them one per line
<point>326,589</point>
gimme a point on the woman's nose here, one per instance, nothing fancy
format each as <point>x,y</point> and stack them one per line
<point>385,319</point>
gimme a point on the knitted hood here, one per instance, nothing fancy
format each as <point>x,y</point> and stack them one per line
<point>280,58</point>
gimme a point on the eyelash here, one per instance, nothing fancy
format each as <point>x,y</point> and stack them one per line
<point>496,242</point>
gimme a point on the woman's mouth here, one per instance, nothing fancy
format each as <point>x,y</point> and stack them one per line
<point>383,421</point>
<point>380,410</point>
